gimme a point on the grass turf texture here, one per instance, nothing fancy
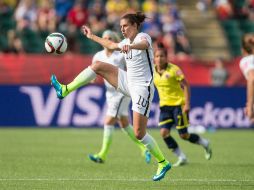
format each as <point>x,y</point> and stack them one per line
<point>57,159</point>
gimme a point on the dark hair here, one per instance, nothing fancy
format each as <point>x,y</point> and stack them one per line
<point>133,18</point>
<point>161,47</point>
<point>248,43</point>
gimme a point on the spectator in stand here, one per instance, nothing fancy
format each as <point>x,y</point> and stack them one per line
<point>78,15</point>
<point>62,8</point>
<point>14,43</point>
<point>182,45</point>
<point>6,15</point>
<point>97,26</point>
<point>169,43</point>
<point>219,73</point>
<point>171,25</point>
<point>26,15</point>
<point>10,3</point>
<point>152,26</point>
<point>46,16</point>
<point>223,9</point>
<point>169,7</point>
<point>97,16</point>
<point>150,7</point>
<point>66,16</point>
<point>97,8</point>
<point>250,7</point>
<point>115,9</point>
<point>134,5</point>
<point>203,5</point>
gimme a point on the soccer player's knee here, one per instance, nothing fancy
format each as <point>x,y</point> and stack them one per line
<point>123,122</point>
<point>139,134</point>
<point>185,136</point>
<point>164,133</point>
<point>96,66</point>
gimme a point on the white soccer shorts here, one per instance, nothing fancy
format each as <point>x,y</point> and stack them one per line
<point>141,96</point>
<point>117,104</point>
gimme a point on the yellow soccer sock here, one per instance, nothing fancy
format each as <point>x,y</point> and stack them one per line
<point>130,132</point>
<point>153,147</point>
<point>82,79</point>
<point>107,140</point>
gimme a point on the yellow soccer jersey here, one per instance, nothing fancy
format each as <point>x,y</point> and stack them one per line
<point>168,86</point>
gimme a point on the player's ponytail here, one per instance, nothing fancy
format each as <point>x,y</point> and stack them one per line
<point>140,17</point>
<point>133,18</point>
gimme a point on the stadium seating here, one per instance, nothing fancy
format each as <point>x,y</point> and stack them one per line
<point>246,26</point>
<point>87,46</point>
<point>32,41</point>
<point>233,34</point>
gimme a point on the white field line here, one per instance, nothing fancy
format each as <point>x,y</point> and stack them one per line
<point>128,180</point>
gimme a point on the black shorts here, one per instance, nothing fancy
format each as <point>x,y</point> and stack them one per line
<point>172,116</point>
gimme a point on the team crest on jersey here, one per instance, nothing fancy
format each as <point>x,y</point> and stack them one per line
<point>179,72</point>
<point>167,76</point>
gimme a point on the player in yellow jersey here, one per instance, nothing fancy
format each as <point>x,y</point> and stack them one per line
<point>174,94</point>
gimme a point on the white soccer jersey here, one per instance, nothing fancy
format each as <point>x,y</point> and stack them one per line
<point>116,59</point>
<point>139,63</point>
<point>247,64</point>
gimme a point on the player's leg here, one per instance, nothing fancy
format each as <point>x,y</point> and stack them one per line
<point>173,145</point>
<point>166,122</point>
<point>107,71</point>
<point>122,111</point>
<point>107,140</point>
<point>141,101</point>
<point>140,123</point>
<point>183,123</point>
<point>127,128</point>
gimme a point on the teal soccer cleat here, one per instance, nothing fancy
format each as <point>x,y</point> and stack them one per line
<point>147,156</point>
<point>57,86</point>
<point>95,158</point>
<point>162,170</point>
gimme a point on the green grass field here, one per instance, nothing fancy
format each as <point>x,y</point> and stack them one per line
<point>57,159</point>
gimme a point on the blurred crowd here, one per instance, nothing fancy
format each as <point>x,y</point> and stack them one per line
<point>229,9</point>
<point>24,24</point>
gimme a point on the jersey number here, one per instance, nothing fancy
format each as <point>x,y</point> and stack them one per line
<point>142,102</point>
<point>129,55</point>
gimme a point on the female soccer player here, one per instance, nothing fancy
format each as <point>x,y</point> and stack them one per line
<point>117,103</point>
<point>136,83</point>
<point>174,95</point>
<point>247,68</point>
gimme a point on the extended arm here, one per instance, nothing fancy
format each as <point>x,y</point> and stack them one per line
<point>142,45</point>
<point>104,42</point>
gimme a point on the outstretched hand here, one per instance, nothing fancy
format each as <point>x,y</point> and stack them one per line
<point>86,31</point>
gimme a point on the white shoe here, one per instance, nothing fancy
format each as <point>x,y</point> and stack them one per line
<point>180,162</point>
<point>208,152</point>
